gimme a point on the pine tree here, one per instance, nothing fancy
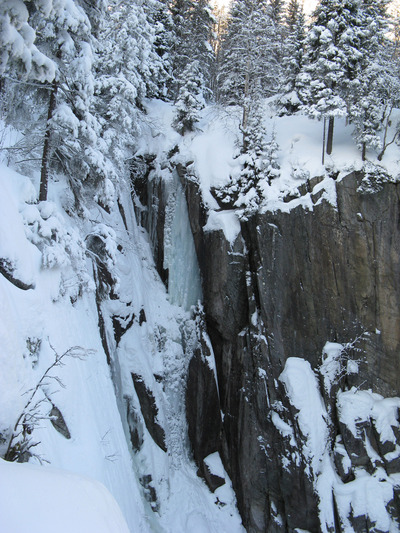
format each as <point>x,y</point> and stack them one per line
<point>249,70</point>
<point>18,53</point>
<point>259,167</point>
<point>292,62</point>
<point>201,30</point>
<point>377,89</point>
<point>190,99</point>
<point>331,61</point>
<point>160,20</point>
<point>193,23</point>
<point>72,134</point>
<point>180,10</point>
<point>277,11</point>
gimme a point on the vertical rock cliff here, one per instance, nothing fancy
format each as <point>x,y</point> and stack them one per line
<point>304,302</point>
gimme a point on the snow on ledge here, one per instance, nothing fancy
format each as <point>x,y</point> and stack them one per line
<point>227,221</point>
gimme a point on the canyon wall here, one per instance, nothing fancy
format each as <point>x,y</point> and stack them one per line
<point>292,281</point>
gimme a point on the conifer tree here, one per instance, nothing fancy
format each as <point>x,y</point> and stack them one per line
<point>289,102</point>
<point>377,89</point>
<point>72,133</point>
<point>193,23</point>
<point>190,99</point>
<point>160,20</point>
<point>19,54</point>
<point>249,69</point>
<point>259,167</point>
<point>331,61</point>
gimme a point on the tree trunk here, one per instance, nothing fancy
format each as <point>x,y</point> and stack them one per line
<point>245,115</point>
<point>44,173</point>
<point>364,152</point>
<point>323,142</point>
<point>329,142</point>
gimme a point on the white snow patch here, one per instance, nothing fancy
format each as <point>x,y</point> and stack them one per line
<point>227,221</point>
<point>55,500</point>
<point>214,463</point>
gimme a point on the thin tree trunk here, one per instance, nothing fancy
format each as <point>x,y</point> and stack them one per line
<point>44,173</point>
<point>246,105</point>
<point>329,142</point>
<point>323,142</point>
<point>364,152</point>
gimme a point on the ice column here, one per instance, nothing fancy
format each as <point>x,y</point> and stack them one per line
<point>184,285</point>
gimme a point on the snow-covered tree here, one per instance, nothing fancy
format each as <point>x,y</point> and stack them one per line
<point>201,29</point>
<point>72,133</point>
<point>259,166</point>
<point>160,20</point>
<point>333,55</point>
<point>125,77</point>
<point>377,90</point>
<point>190,99</point>
<point>249,68</point>
<point>193,23</point>
<point>289,102</point>
<point>277,11</point>
<point>18,52</point>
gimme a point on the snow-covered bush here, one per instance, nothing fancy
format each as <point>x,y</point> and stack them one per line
<point>259,166</point>
<point>37,407</point>
<point>374,178</point>
<point>102,247</point>
<point>60,244</point>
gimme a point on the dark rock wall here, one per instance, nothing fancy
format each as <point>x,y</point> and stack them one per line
<point>290,283</point>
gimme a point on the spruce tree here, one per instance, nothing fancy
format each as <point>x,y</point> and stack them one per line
<point>72,142</point>
<point>377,89</point>
<point>19,55</point>
<point>190,99</point>
<point>331,61</point>
<point>192,23</point>
<point>249,69</point>
<point>161,67</point>
<point>290,101</point>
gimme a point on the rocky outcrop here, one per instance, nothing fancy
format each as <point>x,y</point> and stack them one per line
<point>149,409</point>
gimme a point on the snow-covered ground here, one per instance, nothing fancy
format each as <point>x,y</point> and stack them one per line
<point>215,146</point>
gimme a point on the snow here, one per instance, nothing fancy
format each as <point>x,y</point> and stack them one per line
<point>48,250</point>
<point>22,256</point>
<point>55,500</point>
<point>213,152</point>
<point>55,316</point>
<point>227,221</point>
<point>331,366</point>
<point>356,406</point>
<point>214,463</point>
<point>369,493</point>
<point>302,389</point>
<point>284,429</point>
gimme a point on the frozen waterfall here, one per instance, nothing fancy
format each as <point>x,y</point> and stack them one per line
<point>184,284</point>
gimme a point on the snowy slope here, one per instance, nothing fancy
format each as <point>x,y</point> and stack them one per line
<point>57,315</point>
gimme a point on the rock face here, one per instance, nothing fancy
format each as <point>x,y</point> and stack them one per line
<point>291,282</point>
